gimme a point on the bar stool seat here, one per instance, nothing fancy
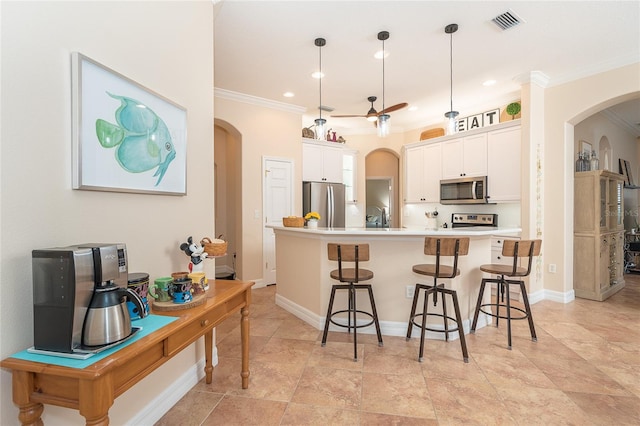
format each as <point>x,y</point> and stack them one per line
<point>518,249</point>
<point>439,247</point>
<point>351,277</point>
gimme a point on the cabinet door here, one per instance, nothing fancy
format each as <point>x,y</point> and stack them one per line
<point>332,164</point>
<point>452,152</point>
<point>503,164</point>
<point>474,155</point>
<point>604,275</point>
<point>616,202</point>
<point>311,163</point>
<point>349,176</point>
<point>414,174</point>
<point>432,172</point>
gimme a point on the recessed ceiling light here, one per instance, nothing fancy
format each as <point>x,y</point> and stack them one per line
<point>489,83</point>
<point>288,94</point>
<point>413,108</point>
<point>379,53</point>
<point>317,74</point>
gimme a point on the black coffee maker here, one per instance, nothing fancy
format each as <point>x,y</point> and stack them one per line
<point>79,298</point>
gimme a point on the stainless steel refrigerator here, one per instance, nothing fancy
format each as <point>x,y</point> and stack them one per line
<point>326,199</point>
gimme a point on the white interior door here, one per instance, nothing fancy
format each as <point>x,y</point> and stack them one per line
<point>277,196</point>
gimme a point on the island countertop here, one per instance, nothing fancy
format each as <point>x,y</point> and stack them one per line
<point>473,231</point>
<point>303,267</point>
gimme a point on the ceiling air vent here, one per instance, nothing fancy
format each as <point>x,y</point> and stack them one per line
<point>507,20</point>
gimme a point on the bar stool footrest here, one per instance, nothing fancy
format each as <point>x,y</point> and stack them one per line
<point>525,316</point>
<point>419,325</point>
<point>331,320</point>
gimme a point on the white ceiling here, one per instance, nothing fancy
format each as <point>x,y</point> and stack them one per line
<point>266,48</point>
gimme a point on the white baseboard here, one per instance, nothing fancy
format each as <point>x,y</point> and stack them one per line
<point>162,403</point>
<point>554,296</point>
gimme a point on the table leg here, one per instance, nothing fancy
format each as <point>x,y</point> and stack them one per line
<point>208,354</point>
<point>23,386</point>
<point>95,398</point>
<point>244,332</point>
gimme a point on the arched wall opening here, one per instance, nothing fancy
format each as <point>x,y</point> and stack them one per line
<point>228,196</point>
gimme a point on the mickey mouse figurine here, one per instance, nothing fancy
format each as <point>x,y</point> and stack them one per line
<point>197,254</point>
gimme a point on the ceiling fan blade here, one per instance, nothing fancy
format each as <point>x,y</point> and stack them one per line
<point>394,108</point>
<point>348,116</point>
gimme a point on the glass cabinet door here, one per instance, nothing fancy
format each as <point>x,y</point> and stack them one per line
<point>617,195</point>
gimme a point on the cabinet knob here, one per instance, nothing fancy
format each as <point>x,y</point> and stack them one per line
<point>204,323</point>
<point>499,257</point>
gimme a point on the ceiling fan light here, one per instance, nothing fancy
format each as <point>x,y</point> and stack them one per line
<point>384,124</point>
<point>372,117</point>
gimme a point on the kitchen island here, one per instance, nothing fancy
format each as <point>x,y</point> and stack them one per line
<point>304,285</point>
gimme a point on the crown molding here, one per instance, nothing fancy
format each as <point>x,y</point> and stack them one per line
<point>536,77</point>
<point>618,121</point>
<point>254,100</point>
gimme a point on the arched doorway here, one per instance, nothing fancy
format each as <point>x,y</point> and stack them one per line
<point>382,172</point>
<point>228,196</point>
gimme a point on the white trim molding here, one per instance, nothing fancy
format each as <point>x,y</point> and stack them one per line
<point>254,100</point>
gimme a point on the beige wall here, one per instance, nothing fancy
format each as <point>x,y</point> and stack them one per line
<point>145,41</point>
<point>263,131</point>
<point>565,106</point>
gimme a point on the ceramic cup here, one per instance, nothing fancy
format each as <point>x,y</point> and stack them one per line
<point>138,282</point>
<point>159,290</point>
<point>180,290</point>
<point>199,282</point>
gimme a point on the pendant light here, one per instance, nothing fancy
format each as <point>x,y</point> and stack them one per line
<point>451,114</point>
<point>320,122</point>
<point>384,119</point>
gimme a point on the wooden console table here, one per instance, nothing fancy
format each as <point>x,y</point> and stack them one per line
<point>93,389</point>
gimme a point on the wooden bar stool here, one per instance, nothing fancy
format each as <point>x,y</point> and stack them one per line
<point>517,249</point>
<point>439,247</point>
<point>355,253</point>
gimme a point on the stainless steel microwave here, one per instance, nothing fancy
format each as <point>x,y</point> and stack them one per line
<point>464,190</point>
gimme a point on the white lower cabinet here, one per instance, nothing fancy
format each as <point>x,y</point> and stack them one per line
<point>497,243</point>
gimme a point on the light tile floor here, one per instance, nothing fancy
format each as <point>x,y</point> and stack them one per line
<point>583,370</point>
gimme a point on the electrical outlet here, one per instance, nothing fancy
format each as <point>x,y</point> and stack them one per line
<point>552,268</point>
<point>409,291</point>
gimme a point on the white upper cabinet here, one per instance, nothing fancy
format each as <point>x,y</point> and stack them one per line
<point>465,157</point>
<point>350,175</point>
<point>504,169</point>
<point>423,171</point>
<point>322,163</point>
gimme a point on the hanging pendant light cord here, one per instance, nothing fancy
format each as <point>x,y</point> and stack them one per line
<point>451,70</point>
<point>320,78</point>
<point>383,75</point>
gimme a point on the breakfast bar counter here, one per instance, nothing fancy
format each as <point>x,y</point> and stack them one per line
<point>304,286</point>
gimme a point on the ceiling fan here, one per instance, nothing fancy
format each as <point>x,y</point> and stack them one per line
<point>372,114</point>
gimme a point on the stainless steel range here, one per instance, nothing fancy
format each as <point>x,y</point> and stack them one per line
<point>468,220</point>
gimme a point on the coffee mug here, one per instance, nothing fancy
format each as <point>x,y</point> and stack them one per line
<point>160,289</point>
<point>199,282</point>
<point>182,296</point>
<point>180,290</point>
<point>133,310</point>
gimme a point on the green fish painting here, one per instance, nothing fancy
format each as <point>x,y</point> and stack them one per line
<point>141,138</point>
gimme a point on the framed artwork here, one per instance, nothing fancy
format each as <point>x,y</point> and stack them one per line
<point>625,170</point>
<point>585,147</point>
<point>126,138</point>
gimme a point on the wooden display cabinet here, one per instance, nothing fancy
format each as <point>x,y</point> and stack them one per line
<point>598,234</point>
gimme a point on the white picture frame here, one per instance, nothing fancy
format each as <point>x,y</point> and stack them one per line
<point>126,138</point>
<point>585,146</point>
